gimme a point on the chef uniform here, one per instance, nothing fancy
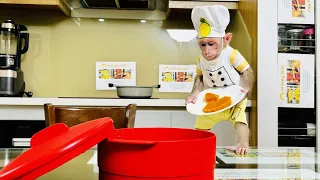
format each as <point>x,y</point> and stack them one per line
<point>225,70</point>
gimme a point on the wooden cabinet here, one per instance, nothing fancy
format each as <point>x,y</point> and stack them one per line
<point>45,4</point>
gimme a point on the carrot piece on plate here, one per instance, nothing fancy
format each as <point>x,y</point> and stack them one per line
<point>211,97</point>
<point>214,106</point>
<point>223,103</point>
<point>210,107</point>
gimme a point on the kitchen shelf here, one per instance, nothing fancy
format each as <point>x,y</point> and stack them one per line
<point>182,8</point>
<point>178,4</point>
<point>53,4</point>
<point>34,101</point>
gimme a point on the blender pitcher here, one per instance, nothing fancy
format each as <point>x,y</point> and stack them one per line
<point>11,44</point>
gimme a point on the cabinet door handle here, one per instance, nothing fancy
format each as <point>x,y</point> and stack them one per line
<point>21,142</point>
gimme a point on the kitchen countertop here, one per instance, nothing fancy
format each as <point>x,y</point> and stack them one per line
<point>260,163</point>
<point>34,101</point>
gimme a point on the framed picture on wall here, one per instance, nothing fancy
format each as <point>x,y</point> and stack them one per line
<point>117,73</point>
<point>176,78</point>
<point>296,11</point>
<point>296,80</point>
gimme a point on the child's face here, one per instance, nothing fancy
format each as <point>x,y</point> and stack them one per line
<point>211,47</point>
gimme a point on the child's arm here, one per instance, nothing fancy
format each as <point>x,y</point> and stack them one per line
<point>244,69</point>
<point>197,86</point>
<point>198,83</point>
<point>246,82</point>
<point>247,79</point>
<point>243,135</point>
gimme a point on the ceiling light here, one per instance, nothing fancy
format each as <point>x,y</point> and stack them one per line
<point>143,21</point>
<point>101,20</point>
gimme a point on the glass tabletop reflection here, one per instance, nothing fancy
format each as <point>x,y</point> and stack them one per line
<point>259,163</point>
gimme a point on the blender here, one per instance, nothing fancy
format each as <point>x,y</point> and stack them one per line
<point>13,43</point>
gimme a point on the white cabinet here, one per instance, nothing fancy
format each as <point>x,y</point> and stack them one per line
<point>150,118</point>
<point>182,119</point>
<point>144,118</point>
<point>225,132</point>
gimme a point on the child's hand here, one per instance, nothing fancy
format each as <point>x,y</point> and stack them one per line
<point>244,91</point>
<point>239,149</point>
<point>245,94</point>
<point>192,98</point>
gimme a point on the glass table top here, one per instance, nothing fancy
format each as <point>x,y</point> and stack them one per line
<point>259,163</point>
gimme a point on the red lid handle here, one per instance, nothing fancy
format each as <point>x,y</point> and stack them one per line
<point>48,133</point>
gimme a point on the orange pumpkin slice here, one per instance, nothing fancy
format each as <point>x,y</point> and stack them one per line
<point>223,103</point>
<point>210,107</point>
<point>211,97</point>
<point>214,106</point>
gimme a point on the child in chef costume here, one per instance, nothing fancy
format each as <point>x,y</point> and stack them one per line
<point>219,65</point>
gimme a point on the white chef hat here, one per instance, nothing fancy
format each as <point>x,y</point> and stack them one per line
<point>210,21</point>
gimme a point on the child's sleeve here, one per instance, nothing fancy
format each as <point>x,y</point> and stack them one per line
<point>238,61</point>
<point>199,71</point>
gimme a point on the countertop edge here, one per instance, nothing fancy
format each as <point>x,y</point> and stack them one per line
<point>16,101</point>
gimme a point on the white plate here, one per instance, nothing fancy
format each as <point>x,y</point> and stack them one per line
<point>233,91</point>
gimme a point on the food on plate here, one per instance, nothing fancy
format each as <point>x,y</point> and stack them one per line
<point>214,106</point>
<point>211,97</point>
<point>210,107</point>
<point>224,102</point>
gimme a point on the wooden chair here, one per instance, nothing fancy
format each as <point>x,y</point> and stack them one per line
<point>123,117</point>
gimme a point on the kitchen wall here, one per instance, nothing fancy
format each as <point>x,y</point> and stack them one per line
<point>63,51</point>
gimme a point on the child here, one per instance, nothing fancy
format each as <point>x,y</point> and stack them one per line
<point>220,65</point>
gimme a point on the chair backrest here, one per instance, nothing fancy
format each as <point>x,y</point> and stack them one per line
<point>123,117</point>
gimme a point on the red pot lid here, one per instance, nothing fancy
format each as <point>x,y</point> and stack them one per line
<point>56,145</point>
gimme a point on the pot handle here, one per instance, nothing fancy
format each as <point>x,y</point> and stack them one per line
<point>156,86</point>
<point>113,85</point>
<point>133,142</point>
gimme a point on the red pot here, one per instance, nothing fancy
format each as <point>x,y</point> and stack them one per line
<point>158,152</point>
<point>123,154</point>
<point>107,176</point>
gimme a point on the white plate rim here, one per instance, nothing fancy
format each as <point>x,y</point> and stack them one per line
<point>213,91</point>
